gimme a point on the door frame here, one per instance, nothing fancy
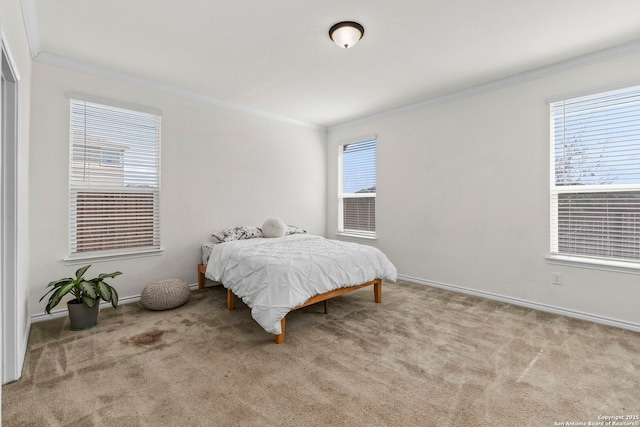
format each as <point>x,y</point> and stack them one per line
<point>11,344</point>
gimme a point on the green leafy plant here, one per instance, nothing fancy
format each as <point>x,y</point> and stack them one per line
<point>84,291</point>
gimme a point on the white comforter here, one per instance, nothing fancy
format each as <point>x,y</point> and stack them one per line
<point>272,276</point>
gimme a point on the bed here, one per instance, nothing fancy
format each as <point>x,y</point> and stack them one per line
<point>274,276</point>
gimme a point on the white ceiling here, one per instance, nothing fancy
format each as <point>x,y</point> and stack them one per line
<point>275,56</point>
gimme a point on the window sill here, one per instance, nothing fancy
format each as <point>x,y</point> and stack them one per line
<point>81,259</point>
<point>594,263</point>
<point>356,236</point>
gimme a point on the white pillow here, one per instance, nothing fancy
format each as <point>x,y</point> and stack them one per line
<point>273,227</point>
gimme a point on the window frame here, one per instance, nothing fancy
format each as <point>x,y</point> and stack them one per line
<point>125,191</point>
<point>556,255</point>
<point>352,232</point>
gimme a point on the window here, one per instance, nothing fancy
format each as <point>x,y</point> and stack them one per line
<point>357,189</point>
<point>595,180</point>
<point>114,181</point>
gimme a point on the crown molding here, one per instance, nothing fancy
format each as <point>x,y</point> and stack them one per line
<point>83,67</point>
<point>30,18</point>
<point>29,12</point>
<point>579,61</point>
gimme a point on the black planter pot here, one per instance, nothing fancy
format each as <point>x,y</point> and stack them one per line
<point>82,316</point>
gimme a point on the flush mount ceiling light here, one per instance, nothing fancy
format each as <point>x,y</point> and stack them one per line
<point>346,34</point>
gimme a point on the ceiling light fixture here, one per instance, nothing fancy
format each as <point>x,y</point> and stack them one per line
<point>346,34</point>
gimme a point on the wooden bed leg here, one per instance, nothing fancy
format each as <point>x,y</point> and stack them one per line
<point>201,279</point>
<point>326,306</point>
<point>230,297</point>
<point>377,290</point>
<point>280,338</point>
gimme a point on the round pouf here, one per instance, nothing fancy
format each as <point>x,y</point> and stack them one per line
<point>165,294</point>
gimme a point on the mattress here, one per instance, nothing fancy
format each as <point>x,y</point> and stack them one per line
<point>207,247</point>
<point>273,276</point>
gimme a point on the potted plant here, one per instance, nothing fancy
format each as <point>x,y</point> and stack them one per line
<point>83,310</point>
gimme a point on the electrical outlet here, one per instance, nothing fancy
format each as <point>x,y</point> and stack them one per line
<point>556,278</point>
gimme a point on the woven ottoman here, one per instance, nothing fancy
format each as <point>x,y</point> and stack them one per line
<point>165,294</point>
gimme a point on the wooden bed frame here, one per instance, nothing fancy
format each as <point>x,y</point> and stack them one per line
<point>279,339</point>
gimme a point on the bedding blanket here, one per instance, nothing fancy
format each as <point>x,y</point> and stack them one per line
<point>273,276</point>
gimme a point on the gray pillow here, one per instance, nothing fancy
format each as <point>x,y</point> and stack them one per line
<point>238,233</point>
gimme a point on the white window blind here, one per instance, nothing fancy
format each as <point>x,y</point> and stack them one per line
<point>114,180</point>
<point>357,192</point>
<point>595,183</point>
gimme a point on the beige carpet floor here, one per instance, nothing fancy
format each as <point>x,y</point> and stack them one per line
<point>424,357</point>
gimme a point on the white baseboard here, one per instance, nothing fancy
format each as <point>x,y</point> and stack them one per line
<point>25,341</point>
<point>11,375</point>
<point>64,312</point>
<point>529,304</point>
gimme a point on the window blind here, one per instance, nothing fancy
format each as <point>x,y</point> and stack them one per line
<point>595,184</point>
<point>357,198</point>
<point>114,179</point>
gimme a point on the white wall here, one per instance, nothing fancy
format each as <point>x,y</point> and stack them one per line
<point>13,30</point>
<point>220,168</point>
<point>463,194</point>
